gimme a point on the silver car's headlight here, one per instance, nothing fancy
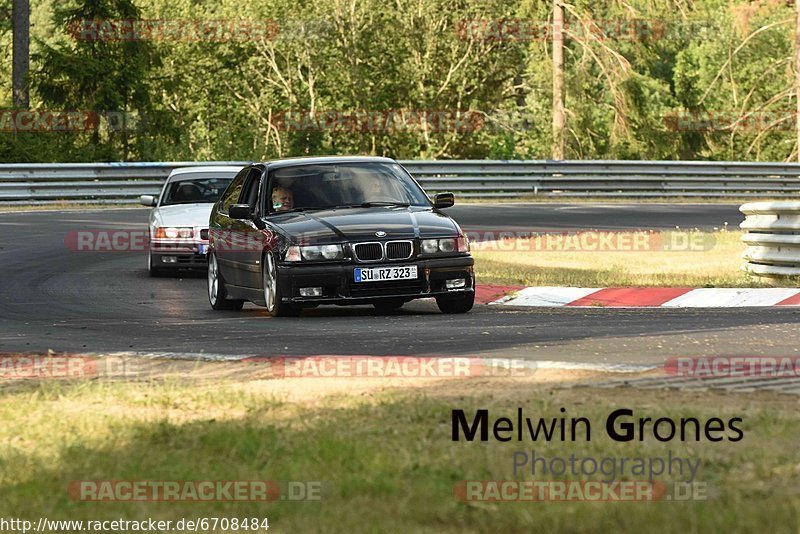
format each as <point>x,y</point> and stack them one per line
<point>172,232</point>
<point>315,253</point>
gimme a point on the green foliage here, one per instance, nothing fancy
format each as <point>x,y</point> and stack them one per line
<point>647,79</point>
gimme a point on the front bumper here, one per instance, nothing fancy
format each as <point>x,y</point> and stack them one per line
<point>185,255</point>
<point>181,261</point>
<point>180,253</point>
<point>339,287</point>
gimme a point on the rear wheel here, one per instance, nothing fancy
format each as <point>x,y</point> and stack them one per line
<point>457,303</point>
<point>217,294</point>
<point>272,296</point>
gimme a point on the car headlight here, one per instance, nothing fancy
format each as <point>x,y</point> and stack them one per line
<point>314,253</point>
<point>170,232</point>
<point>293,254</point>
<point>430,246</point>
<point>445,246</point>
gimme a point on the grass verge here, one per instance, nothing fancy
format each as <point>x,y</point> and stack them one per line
<point>714,261</point>
<point>384,455</point>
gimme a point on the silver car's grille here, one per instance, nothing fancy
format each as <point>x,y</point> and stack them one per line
<point>368,251</point>
<point>398,250</point>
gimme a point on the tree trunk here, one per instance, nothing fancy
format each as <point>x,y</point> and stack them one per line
<point>797,76</point>
<point>20,20</point>
<point>559,119</point>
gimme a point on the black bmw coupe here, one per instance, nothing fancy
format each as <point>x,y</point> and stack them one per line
<point>297,233</point>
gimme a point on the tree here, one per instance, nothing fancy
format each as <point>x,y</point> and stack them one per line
<point>99,70</point>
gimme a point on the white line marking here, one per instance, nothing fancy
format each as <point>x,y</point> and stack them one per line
<point>731,297</point>
<point>604,367</point>
<point>546,296</point>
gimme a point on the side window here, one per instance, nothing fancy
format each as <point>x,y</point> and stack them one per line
<point>232,193</point>
<point>250,191</point>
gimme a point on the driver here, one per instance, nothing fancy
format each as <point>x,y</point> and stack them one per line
<point>282,199</point>
<point>373,189</point>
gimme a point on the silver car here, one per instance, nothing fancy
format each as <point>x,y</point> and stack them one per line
<point>179,218</point>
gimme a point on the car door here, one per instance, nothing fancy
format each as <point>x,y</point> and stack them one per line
<point>250,261</point>
<point>221,228</point>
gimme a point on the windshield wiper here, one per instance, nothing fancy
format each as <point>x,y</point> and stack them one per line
<point>371,205</point>
<point>382,203</point>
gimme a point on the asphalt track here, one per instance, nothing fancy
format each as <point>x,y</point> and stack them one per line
<point>596,216</point>
<point>60,299</point>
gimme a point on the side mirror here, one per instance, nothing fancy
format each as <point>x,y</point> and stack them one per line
<point>240,211</point>
<point>444,200</point>
<point>147,200</point>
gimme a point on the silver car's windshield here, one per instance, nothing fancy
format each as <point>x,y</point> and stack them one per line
<point>195,190</point>
<point>321,186</point>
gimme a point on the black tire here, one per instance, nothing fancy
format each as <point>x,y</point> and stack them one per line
<point>461,303</point>
<point>271,289</point>
<point>217,293</point>
<point>388,305</point>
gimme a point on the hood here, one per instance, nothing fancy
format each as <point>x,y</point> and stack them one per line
<point>361,224</point>
<point>183,215</point>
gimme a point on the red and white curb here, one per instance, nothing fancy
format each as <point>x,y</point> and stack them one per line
<point>603,367</point>
<point>651,297</point>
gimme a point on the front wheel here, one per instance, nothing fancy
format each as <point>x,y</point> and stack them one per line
<point>457,303</point>
<point>217,293</point>
<point>272,296</point>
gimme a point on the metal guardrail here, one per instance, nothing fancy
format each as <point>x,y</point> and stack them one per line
<point>633,179</point>
<point>123,182</point>
<point>772,237</point>
<point>86,183</point>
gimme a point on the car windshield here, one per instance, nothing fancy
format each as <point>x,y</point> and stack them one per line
<point>196,190</point>
<point>343,185</point>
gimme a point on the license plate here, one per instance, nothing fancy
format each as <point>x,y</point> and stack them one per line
<point>202,249</point>
<point>385,274</point>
